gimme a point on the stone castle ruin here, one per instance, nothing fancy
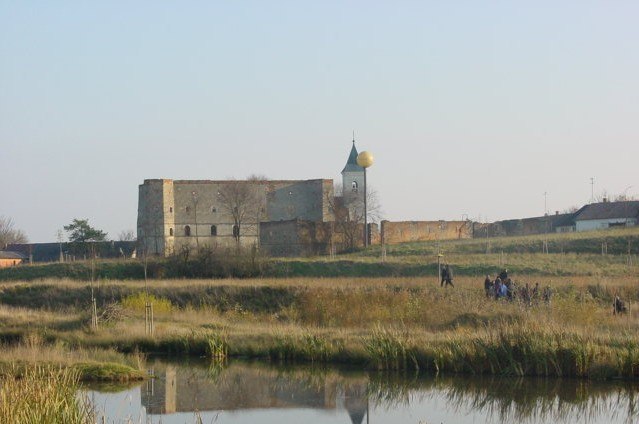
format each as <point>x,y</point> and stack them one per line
<point>174,214</point>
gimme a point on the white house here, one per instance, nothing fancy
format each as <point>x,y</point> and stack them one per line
<point>598,216</point>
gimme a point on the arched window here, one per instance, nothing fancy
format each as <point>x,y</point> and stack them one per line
<point>188,209</point>
<point>187,230</point>
<point>170,231</point>
<point>236,231</point>
<point>354,186</point>
<point>213,230</point>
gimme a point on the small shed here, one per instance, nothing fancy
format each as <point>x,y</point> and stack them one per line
<point>599,216</point>
<point>9,258</point>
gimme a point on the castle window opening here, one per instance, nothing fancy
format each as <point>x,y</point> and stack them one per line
<point>170,231</point>
<point>213,230</point>
<point>354,186</point>
<point>188,209</point>
<point>236,230</point>
<point>170,209</point>
<point>187,230</point>
<point>213,209</point>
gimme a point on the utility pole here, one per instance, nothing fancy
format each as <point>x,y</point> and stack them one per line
<point>365,160</point>
<point>60,238</point>
<point>545,203</point>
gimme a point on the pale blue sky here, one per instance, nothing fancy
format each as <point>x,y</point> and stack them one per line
<point>470,107</point>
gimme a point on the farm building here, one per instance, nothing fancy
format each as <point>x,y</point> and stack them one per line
<point>598,216</point>
<point>8,258</point>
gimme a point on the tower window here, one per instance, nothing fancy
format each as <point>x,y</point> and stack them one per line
<point>170,231</point>
<point>213,209</point>
<point>188,209</point>
<point>213,230</point>
<point>187,230</point>
<point>354,186</point>
<point>170,209</point>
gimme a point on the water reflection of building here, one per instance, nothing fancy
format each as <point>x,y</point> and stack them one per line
<point>195,389</point>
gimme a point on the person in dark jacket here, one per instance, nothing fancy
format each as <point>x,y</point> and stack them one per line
<point>447,276</point>
<point>488,286</point>
<point>503,275</point>
<point>619,306</point>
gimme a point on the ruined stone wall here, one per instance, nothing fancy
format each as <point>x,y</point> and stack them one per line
<point>279,238</point>
<point>522,227</point>
<point>191,213</point>
<point>295,238</point>
<point>151,224</point>
<point>202,219</point>
<point>306,200</point>
<point>308,238</point>
<point>413,231</point>
<point>374,234</point>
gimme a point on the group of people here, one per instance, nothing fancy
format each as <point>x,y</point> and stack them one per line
<point>503,287</point>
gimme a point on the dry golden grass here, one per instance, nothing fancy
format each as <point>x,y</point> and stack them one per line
<point>42,394</point>
<point>353,319</point>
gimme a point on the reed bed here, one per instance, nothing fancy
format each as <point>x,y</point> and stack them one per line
<point>89,363</point>
<point>43,394</point>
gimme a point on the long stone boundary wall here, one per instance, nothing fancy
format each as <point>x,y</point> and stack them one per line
<point>525,226</point>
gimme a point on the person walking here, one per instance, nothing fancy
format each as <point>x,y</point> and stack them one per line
<point>447,276</point>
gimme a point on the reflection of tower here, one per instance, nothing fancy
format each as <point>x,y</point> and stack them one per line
<point>356,401</point>
<point>170,390</point>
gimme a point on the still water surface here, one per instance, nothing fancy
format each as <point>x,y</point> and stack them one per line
<point>250,393</point>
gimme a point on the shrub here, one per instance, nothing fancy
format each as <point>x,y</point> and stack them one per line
<point>137,302</point>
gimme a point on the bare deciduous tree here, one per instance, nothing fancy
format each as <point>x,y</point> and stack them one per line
<point>243,202</point>
<point>9,234</point>
<point>348,212</point>
<point>126,235</point>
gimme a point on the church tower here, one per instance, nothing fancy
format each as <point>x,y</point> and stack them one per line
<point>353,185</point>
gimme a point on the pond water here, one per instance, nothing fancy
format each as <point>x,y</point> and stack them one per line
<point>250,392</point>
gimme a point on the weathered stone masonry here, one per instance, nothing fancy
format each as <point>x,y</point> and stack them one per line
<point>174,214</point>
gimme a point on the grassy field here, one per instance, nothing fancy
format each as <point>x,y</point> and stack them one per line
<point>617,242</point>
<point>573,254</point>
<point>387,323</point>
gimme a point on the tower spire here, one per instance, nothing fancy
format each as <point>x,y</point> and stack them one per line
<point>353,136</point>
